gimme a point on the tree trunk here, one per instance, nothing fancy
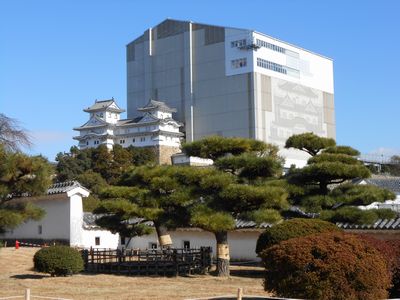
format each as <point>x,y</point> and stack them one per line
<point>222,253</point>
<point>163,237</point>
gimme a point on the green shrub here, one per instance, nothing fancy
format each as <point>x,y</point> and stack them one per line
<point>290,229</point>
<point>58,261</point>
<point>329,265</point>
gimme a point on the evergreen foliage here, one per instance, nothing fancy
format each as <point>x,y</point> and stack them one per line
<point>326,182</point>
<point>237,189</point>
<point>291,229</point>
<point>309,142</point>
<point>158,193</point>
<point>330,265</point>
<point>110,164</point>
<point>58,261</point>
<point>21,175</point>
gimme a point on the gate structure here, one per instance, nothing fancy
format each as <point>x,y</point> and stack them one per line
<point>165,262</point>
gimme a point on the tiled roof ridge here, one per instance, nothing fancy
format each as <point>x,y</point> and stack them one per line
<point>63,187</point>
<point>383,176</point>
<point>99,101</point>
<point>380,224</point>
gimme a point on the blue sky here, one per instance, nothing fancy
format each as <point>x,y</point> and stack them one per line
<point>57,57</point>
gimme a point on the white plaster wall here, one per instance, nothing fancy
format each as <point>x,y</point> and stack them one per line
<point>76,220</point>
<point>107,239</point>
<point>242,244</point>
<point>55,224</point>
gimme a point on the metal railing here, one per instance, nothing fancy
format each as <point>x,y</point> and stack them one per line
<point>29,296</point>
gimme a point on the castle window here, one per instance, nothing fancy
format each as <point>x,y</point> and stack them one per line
<point>97,241</point>
<point>142,139</point>
<point>133,140</point>
<point>40,229</point>
<point>122,141</point>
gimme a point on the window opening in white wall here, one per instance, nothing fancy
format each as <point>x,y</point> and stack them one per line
<point>40,229</point>
<point>186,245</point>
<point>97,241</point>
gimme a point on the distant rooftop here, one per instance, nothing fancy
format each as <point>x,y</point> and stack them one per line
<point>391,183</point>
<point>63,187</point>
<point>166,31</point>
<point>103,104</point>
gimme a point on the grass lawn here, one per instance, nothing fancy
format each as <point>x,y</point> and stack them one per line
<point>16,275</point>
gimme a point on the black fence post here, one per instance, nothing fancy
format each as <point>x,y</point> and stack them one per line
<point>85,257</point>
<point>175,260</point>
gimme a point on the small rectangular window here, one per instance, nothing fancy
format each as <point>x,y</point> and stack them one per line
<point>40,229</point>
<point>97,240</point>
<point>122,240</point>
<point>152,245</point>
<point>133,140</point>
<point>239,63</point>
<point>186,245</point>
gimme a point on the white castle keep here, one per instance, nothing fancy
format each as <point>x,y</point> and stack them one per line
<point>154,128</point>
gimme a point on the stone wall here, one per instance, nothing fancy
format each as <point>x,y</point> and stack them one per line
<point>164,154</point>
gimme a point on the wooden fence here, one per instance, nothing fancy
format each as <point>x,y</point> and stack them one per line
<point>168,262</point>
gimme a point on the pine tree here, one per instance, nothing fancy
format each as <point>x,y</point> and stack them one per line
<point>326,181</point>
<point>19,175</point>
<point>236,188</point>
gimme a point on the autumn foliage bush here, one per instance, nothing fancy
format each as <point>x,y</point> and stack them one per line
<point>390,250</point>
<point>291,229</point>
<point>329,265</point>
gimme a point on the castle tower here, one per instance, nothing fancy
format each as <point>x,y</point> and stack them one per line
<point>155,129</point>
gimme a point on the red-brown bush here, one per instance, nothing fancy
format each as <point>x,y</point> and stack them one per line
<point>395,290</point>
<point>390,250</point>
<point>330,265</point>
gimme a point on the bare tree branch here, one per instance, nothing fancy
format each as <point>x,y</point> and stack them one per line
<point>12,135</point>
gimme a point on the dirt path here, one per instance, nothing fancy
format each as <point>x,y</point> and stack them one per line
<point>16,275</point>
